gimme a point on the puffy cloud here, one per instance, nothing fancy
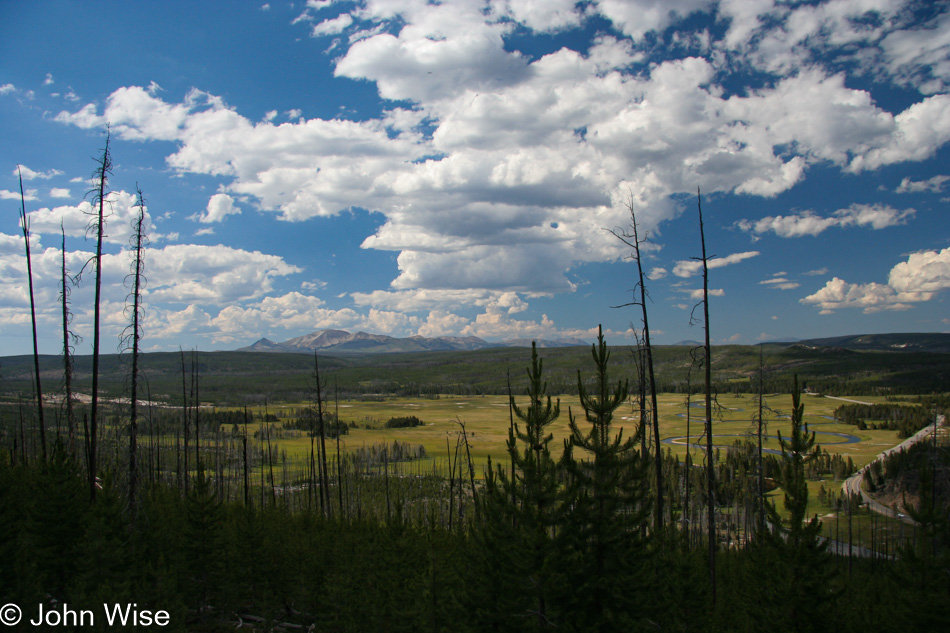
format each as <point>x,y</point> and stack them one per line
<point>29,174</point>
<point>440,50</point>
<point>120,211</point>
<point>28,195</point>
<point>188,273</point>
<point>918,132</point>
<point>293,313</point>
<point>872,297</point>
<point>6,89</point>
<point>332,26</point>
<point>876,216</point>
<point>540,15</point>
<point>924,272</point>
<point>440,301</point>
<point>697,294</point>
<point>58,192</point>
<point>136,114</point>
<point>918,279</point>
<point>934,185</point>
<point>690,267</point>
<point>921,56</point>
<point>442,323</point>
<point>220,206</point>
<point>638,17</point>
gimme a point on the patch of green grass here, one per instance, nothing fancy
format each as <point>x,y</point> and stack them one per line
<point>486,421</point>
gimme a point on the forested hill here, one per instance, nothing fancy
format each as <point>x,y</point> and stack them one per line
<point>243,377</point>
<point>912,342</point>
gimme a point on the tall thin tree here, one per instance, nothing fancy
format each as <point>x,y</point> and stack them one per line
<point>25,225</point>
<point>633,240</point>
<point>68,340</point>
<point>184,416</point>
<point>133,336</point>
<point>710,466</point>
<point>97,225</point>
<point>760,431</point>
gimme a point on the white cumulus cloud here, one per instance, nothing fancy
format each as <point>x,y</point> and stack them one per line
<point>919,279</point>
<point>220,205</point>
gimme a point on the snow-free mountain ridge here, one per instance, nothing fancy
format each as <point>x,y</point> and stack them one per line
<point>364,342</point>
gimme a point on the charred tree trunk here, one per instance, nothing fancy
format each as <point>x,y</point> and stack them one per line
<point>25,225</point>
<point>634,241</point>
<point>135,334</point>
<point>101,175</point>
<point>184,416</point>
<point>67,355</point>
<point>710,466</point>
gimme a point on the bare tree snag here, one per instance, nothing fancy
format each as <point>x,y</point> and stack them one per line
<point>25,225</point>
<point>633,240</point>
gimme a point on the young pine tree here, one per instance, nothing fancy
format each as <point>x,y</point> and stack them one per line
<point>515,538</point>
<point>604,550</point>
<point>799,571</point>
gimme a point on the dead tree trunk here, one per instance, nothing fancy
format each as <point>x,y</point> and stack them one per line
<point>101,176</point>
<point>184,415</point>
<point>67,354</point>
<point>135,333</point>
<point>25,225</point>
<point>634,241</point>
<point>710,466</point>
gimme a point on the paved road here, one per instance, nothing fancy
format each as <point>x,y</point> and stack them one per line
<point>852,485</point>
<point>845,399</point>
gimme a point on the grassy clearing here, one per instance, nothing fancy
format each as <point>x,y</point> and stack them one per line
<point>486,420</point>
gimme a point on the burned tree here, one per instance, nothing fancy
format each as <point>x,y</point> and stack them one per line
<point>68,339</point>
<point>633,239</point>
<point>132,338</point>
<point>97,226</point>
<point>25,225</point>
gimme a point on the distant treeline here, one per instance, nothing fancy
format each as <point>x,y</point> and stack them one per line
<point>248,378</point>
<point>904,419</point>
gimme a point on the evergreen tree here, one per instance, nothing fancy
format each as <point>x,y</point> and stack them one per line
<point>105,553</point>
<point>924,567</point>
<point>522,512</point>
<point>203,541</point>
<point>794,562</point>
<point>58,518</point>
<point>605,551</point>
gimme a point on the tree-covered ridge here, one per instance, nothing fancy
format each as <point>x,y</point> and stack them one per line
<point>236,378</point>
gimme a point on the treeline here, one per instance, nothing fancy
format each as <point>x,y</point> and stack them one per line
<point>243,378</point>
<point>904,419</point>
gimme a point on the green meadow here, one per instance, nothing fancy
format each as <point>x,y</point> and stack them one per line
<point>486,421</point>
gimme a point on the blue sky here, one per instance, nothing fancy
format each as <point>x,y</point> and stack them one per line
<point>451,169</point>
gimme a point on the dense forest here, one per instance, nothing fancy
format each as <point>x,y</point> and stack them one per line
<point>550,537</point>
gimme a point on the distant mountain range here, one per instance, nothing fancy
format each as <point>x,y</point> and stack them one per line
<point>365,343</point>
<point>340,341</point>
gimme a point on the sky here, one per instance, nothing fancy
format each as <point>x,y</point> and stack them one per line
<point>459,168</point>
